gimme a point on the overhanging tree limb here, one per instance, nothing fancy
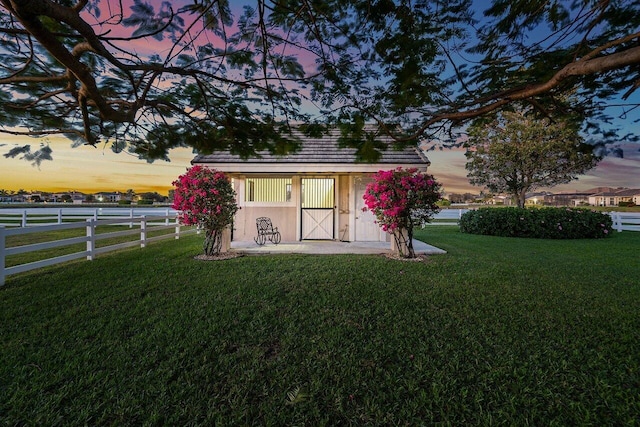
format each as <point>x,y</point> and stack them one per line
<point>396,64</point>
<point>575,69</point>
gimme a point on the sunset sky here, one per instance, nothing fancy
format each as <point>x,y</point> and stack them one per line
<point>90,170</point>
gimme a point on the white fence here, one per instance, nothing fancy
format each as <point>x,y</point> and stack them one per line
<point>628,221</point>
<point>146,224</point>
<point>449,216</point>
<point>42,216</point>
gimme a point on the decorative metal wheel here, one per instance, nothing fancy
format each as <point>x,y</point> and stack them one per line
<point>261,239</point>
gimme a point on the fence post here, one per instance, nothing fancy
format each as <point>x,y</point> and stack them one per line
<point>177,228</point>
<point>60,216</point>
<point>166,220</point>
<point>131,217</point>
<point>24,218</point>
<point>91,239</point>
<point>143,231</point>
<point>617,221</point>
<point>3,243</point>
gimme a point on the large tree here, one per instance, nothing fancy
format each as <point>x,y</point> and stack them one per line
<point>149,77</point>
<point>516,153</point>
<point>97,70</point>
<point>442,65</point>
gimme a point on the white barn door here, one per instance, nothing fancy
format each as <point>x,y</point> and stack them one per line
<point>366,229</point>
<point>318,213</point>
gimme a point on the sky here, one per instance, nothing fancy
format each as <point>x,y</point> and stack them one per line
<point>88,169</point>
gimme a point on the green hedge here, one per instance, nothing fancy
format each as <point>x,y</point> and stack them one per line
<point>545,223</point>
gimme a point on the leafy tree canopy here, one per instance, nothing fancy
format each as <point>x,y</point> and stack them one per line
<point>207,75</point>
<point>516,153</point>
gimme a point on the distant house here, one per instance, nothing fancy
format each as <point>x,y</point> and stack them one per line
<point>15,198</point>
<point>35,197</point>
<point>615,197</point>
<point>313,194</point>
<point>567,199</point>
<point>627,196</point>
<point>108,197</point>
<point>75,197</point>
<point>501,199</point>
<point>535,199</point>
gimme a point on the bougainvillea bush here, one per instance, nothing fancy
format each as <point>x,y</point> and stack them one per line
<point>545,223</point>
<point>206,199</point>
<point>401,199</point>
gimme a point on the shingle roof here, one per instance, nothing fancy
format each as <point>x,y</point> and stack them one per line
<point>628,192</point>
<point>620,193</point>
<point>323,150</point>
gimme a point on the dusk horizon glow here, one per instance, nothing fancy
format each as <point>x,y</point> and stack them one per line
<point>94,169</point>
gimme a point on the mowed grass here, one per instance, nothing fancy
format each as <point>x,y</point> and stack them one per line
<point>497,331</point>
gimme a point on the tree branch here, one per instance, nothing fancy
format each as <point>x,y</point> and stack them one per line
<point>579,68</point>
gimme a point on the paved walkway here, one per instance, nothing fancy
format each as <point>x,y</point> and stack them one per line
<point>328,247</point>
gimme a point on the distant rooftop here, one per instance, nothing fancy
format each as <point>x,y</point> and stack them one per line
<point>620,192</point>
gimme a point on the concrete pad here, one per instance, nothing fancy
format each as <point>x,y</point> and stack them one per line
<point>328,247</point>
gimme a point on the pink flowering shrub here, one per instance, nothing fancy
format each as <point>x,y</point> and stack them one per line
<point>401,199</point>
<point>206,198</point>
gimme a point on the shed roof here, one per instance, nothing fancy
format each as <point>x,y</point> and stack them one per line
<point>315,155</point>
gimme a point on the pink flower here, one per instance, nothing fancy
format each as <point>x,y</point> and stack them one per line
<point>394,196</point>
<point>205,197</point>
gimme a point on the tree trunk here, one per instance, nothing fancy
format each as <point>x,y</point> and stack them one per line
<point>212,242</point>
<point>521,199</point>
<point>403,239</point>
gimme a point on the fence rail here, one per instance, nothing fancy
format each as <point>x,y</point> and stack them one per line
<point>147,224</point>
<point>627,221</point>
<point>42,216</point>
<point>447,217</point>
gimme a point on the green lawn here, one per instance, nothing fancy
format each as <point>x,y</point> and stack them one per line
<point>498,331</point>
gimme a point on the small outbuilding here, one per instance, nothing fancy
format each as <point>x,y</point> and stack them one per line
<point>312,194</point>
